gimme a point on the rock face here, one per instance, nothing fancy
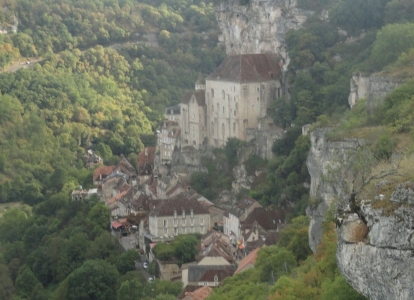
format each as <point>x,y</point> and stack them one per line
<point>375,246</point>
<point>259,27</point>
<point>374,87</point>
<point>322,192</point>
<point>381,266</point>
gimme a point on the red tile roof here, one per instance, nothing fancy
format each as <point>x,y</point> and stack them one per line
<point>248,68</point>
<point>104,171</point>
<point>116,198</point>
<point>249,259</point>
<point>199,294</point>
<point>146,156</point>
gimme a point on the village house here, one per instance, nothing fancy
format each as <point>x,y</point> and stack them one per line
<point>91,159</point>
<point>208,275</point>
<point>146,162</point>
<point>239,93</point>
<point>239,213</point>
<point>168,139</point>
<point>178,215</point>
<point>173,113</point>
<point>100,173</point>
<point>248,262</point>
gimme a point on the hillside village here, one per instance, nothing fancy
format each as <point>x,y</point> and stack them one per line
<point>155,203</point>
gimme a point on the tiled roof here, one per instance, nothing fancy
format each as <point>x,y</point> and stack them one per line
<point>199,294</point>
<point>249,259</point>
<point>195,272</point>
<point>267,219</point>
<point>146,156</point>
<point>105,170</point>
<point>141,201</point>
<point>178,203</point>
<point>248,68</point>
<point>272,238</point>
<point>221,274</point>
<point>115,198</point>
<point>173,110</point>
<point>199,96</point>
<point>125,166</point>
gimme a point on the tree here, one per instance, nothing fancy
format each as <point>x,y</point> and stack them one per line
<point>26,282</point>
<point>130,290</point>
<point>126,262</point>
<point>274,262</point>
<point>95,279</point>
<point>6,284</point>
<point>100,215</point>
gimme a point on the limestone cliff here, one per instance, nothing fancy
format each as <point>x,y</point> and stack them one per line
<point>259,27</point>
<point>321,156</point>
<point>375,245</point>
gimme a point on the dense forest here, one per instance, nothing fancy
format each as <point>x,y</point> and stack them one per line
<point>106,71</point>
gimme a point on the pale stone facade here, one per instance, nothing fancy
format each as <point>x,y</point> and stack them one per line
<point>238,94</point>
<point>193,119</point>
<point>178,216</point>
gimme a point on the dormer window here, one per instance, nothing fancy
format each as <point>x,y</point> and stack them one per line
<point>175,213</point>
<point>215,278</point>
<point>192,213</point>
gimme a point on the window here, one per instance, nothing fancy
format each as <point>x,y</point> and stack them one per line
<point>205,283</point>
<point>175,222</point>
<point>201,220</point>
<point>223,109</point>
<point>201,229</point>
<point>183,222</point>
<point>183,230</point>
<point>215,278</point>
<point>212,93</point>
<point>223,95</point>
<point>175,231</point>
<point>183,214</point>
<point>165,223</point>
<point>218,107</point>
<point>212,107</point>
<point>257,89</point>
<point>191,213</point>
<point>223,130</point>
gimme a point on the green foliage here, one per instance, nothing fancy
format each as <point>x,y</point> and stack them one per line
<point>130,290</point>
<point>99,215</point>
<point>26,282</point>
<point>392,40</point>
<point>231,149</point>
<point>274,262</point>
<point>95,279</point>
<point>183,248</point>
<point>295,238</point>
<point>126,262</point>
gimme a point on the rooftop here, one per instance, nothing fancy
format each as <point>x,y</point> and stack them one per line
<point>178,204</point>
<point>248,68</point>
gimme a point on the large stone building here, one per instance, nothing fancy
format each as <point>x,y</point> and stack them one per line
<point>238,94</point>
<point>179,215</point>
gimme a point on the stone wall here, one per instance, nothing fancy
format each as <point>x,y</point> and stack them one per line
<point>374,87</point>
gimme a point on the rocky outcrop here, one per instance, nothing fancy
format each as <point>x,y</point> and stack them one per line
<point>381,265</point>
<point>242,180</point>
<point>322,156</point>
<point>376,239</point>
<point>259,27</point>
<point>374,88</point>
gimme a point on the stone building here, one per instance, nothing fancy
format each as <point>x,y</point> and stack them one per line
<point>238,94</point>
<point>168,139</point>
<point>193,119</point>
<point>178,215</point>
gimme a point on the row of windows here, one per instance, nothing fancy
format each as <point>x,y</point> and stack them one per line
<point>183,221</point>
<point>184,230</point>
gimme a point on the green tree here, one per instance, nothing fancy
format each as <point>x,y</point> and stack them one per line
<point>130,290</point>
<point>126,262</point>
<point>26,282</point>
<point>95,279</point>
<point>99,215</point>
